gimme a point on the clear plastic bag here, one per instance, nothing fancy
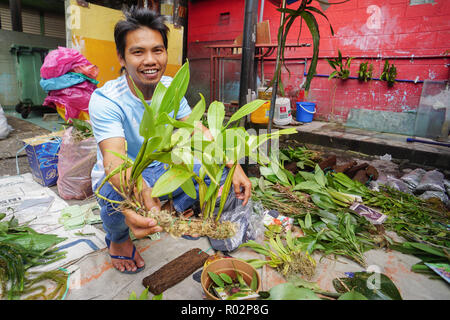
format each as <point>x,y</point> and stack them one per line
<point>249,224</point>
<point>75,162</point>
<point>398,184</point>
<point>413,178</point>
<point>436,194</point>
<point>5,128</point>
<point>431,181</point>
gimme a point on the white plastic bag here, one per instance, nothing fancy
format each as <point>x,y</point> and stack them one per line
<point>5,128</point>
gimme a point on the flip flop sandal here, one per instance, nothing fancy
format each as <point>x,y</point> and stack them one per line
<point>108,243</point>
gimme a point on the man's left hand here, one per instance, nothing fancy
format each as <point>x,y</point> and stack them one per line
<point>242,185</point>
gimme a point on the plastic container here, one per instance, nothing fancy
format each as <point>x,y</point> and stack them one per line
<point>282,115</point>
<point>305,111</point>
<point>261,115</point>
<point>264,93</point>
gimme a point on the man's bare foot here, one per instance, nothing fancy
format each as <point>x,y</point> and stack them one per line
<point>125,249</point>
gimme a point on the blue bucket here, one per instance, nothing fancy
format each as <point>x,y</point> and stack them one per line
<point>305,111</point>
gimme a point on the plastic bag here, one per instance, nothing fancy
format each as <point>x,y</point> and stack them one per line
<point>90,70</point>
<point>398,184</point>
<point>436,194</point>
<point>413,178</point>
<point>431,181</point>
<point>75,162</point>
<point>74,99</point>
<point>249,223</point>
<point>62,60</point>
<point>5,128</point>
<point>64,81</point>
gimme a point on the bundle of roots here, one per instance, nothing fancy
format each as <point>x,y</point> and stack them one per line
<point>180,225</point>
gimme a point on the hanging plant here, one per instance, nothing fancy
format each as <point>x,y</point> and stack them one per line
<point>365,71</point>
<point>341,69</point>
<point>306,13</point>
<point>389,74</point>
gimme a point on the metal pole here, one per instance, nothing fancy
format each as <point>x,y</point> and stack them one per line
<point>248,50</point>
<point>261,11</point>
<point>275,84</point>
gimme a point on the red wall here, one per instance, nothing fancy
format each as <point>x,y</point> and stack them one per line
<point>371,29</point>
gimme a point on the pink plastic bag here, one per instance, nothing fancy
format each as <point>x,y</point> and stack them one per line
<point>75,98</point>
<point>60,61</point>
<point>75,162</point>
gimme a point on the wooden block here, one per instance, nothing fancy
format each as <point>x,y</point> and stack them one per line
<point>328,163</point>
<point>175,271</point>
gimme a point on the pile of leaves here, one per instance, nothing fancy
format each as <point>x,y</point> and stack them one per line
<point>319,203</point>
<point>22,248</point>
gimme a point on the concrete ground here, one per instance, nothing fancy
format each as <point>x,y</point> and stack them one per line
<point>96,278</point>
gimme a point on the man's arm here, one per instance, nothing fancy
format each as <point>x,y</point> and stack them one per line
<point>139,225</point>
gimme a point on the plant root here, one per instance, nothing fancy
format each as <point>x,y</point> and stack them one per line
<point>300,263</point>
<point>180,225</point>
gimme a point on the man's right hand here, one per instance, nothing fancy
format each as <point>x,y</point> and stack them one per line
<point>140,225</point>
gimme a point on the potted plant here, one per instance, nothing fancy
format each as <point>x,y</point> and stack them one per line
<point>230,279</point>
<point>307,13</point>
<point>177,144</point>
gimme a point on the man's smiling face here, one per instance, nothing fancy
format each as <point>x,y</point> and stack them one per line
<point>145,59</point>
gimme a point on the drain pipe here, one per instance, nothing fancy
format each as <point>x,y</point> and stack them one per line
<point>428,142</point>
<point>351,77</point>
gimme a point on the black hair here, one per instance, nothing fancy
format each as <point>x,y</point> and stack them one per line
<point>136,18</point>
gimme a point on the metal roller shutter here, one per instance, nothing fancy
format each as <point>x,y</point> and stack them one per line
<point>55,25</point>
<point>5,16</point>
<point>31,21</point>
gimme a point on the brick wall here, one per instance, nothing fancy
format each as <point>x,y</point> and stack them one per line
<point>413,37</point>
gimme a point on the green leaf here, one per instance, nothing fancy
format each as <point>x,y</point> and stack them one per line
<point>428,249</point>
<point>171,180</point>
<point>352,295</point>
<point>158,297</point>
<point>254,283</point>
<point>287,291</point>
<point>216,114</point>
<point>319,176</point>
<point>245,110</point>
<point>189,188</point>
<point>216,279</point>
<point>226,190</point>
<point>374,286</point>
<point>226,278</point>
<point>144,294</point>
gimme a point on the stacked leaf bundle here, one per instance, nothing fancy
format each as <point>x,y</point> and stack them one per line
<point>22,248</point>
<point>320,203</point>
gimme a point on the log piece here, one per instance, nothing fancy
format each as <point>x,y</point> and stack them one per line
<point>328,162</point>
<point>175,271</point>
<point>352,171</point>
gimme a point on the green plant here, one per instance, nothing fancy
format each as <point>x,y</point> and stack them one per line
<point>365,71</point>
<point>227,288</point>
<point>341,69</point>
<point>22,248</point>
<point>304,12</point>
<point>144,296</point>
<point>179,144</point>
<point>288,259</point>
<point>389,73</point>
